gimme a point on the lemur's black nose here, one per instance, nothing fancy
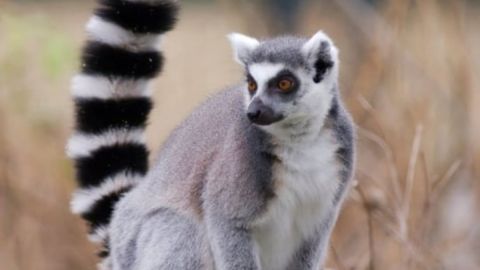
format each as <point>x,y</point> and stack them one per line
<point>260,114</point>
<point>253,115</point>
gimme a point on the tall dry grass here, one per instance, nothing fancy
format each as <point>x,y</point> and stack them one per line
<point>408,76</point>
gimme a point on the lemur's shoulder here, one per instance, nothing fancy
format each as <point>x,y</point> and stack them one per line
<point>216,143</point>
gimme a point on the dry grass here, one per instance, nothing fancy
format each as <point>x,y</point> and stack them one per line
<point>408,76</point>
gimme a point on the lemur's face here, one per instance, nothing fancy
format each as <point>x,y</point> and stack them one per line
<point>286,78</point>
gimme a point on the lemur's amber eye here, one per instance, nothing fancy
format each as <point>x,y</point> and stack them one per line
<point>285,85</point>
<point>252,86</point>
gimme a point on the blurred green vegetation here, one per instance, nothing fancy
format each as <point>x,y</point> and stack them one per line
<point>55,50</point>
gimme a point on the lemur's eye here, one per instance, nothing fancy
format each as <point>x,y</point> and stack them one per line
<point>252,86</point>
<point>285,84</point>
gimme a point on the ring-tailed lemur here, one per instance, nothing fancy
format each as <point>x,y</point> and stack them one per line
<point>253,179</point>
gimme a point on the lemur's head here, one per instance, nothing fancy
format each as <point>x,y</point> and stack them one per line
<point>287,78</point>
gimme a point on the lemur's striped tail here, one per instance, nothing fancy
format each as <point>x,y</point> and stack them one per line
<point>112,103</point>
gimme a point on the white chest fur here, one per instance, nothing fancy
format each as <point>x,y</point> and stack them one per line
<point>306,182</point>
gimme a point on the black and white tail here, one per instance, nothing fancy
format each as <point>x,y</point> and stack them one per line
<point>112,103</point>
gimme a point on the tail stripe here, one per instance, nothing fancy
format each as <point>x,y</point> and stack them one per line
<point>107,32</point>
<point>140,17</point>
<point>84,199</point>
<point>87,86</point>
<point>103,59</point>
<point>107,161</point>
<point>97,116</point>
<point>82,145</point>
<point>101,213</point>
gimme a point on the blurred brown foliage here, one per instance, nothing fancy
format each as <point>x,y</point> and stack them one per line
<point>408,76</point>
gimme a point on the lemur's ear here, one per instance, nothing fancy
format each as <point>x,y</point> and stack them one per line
<point>242,46</point>
<point>321,54</point>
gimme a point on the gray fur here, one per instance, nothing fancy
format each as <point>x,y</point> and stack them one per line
<point>285,49</point>
<point>341,123</point>
<point>213,180</point>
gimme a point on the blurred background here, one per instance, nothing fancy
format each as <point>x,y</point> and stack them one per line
<point>409,75</point>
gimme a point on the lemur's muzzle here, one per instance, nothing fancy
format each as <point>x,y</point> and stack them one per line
<point>260,114</point>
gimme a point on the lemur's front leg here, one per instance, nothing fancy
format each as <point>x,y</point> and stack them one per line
<point>227,218</point>
<point>236,192</point>
<point>231,244</point>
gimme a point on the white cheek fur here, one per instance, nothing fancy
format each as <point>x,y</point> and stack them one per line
<point>317,99</point>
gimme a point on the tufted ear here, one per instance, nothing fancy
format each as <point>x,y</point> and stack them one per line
<point>242,46</point>
<point>321,54</point>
